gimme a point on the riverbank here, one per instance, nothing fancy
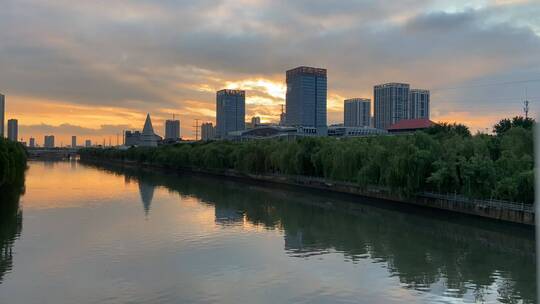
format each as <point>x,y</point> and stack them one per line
<point>486,209</point>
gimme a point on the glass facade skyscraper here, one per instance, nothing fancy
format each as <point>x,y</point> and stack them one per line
<point>418,104</point>
<point>357,112</point>
<point>306,98</point>
<point>230,111</point>
<point>391,104</point>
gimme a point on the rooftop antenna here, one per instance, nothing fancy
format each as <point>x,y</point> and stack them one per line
<point>526,105</point>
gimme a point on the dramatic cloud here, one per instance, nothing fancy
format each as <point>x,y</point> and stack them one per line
<point>94,63</point>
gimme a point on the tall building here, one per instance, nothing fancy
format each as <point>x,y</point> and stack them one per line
<point>48,142</point>
<point>391,104</point>
<point>73,141</point>
<point>306,98</point>
<point>172,129</point>
<point>230,111</point>
<point>208,131</point>
<point>32,143</point>
<point>418,104</point>
<point>255,121</point>
<point>357,112</point>
<point>88,143</point>
<point>13,130</point>
<point>2,113</point>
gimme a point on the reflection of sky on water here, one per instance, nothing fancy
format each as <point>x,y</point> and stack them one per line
<point>213,241</point>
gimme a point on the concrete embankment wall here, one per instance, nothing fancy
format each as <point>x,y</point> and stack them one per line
<point>498,213</point>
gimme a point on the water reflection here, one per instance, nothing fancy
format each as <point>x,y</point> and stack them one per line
<point>443,254</point>
<point>146,191</point>
<point>10,225</point>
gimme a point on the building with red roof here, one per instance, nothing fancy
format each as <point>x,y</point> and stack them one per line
<point>410,125</point>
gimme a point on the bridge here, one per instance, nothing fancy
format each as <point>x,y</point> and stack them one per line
<point>52,153</point>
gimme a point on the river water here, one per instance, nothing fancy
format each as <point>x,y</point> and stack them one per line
<point>88,234</point>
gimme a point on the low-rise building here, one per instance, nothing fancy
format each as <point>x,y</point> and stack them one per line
<point>410,126</point>
<point>342,131</point>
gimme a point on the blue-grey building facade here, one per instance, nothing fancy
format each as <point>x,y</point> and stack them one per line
<point>391,104</point>
<point>230,112</point>
<point>306,98</point>
<point>418,104</point>
<point>13,129</point>
<point>357,112</point>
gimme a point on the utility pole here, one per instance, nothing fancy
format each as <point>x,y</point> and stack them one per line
<point>196,126</point>
<point>526,105</point>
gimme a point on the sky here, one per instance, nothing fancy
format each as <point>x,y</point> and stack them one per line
<point>95,68</point>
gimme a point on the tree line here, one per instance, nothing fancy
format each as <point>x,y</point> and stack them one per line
<point>12,163</point>
<point>445,158</point>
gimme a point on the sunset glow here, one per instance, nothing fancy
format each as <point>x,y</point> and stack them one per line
<point>61,77</point>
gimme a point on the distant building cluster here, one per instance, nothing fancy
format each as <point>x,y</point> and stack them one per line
<point>306,111</point>
<point>396,109</point>
<point>396,101</point>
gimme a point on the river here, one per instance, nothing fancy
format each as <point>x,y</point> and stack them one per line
<point>88,234</point>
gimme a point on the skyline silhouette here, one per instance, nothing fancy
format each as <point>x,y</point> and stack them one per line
<point>93,70</point>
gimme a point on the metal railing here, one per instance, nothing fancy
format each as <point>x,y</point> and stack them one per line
<point>481,203</point>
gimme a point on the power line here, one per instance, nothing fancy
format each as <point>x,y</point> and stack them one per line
<point>486,85</point>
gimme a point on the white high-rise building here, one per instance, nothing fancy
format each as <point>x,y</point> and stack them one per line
<point>208,132</point>
<point>172,129</point>
<point>88,143</point>
<point>391,104</point>
<point>32,143</point>
<point>418,104</point>
<point>73,141</point>
<point>357,112</point>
